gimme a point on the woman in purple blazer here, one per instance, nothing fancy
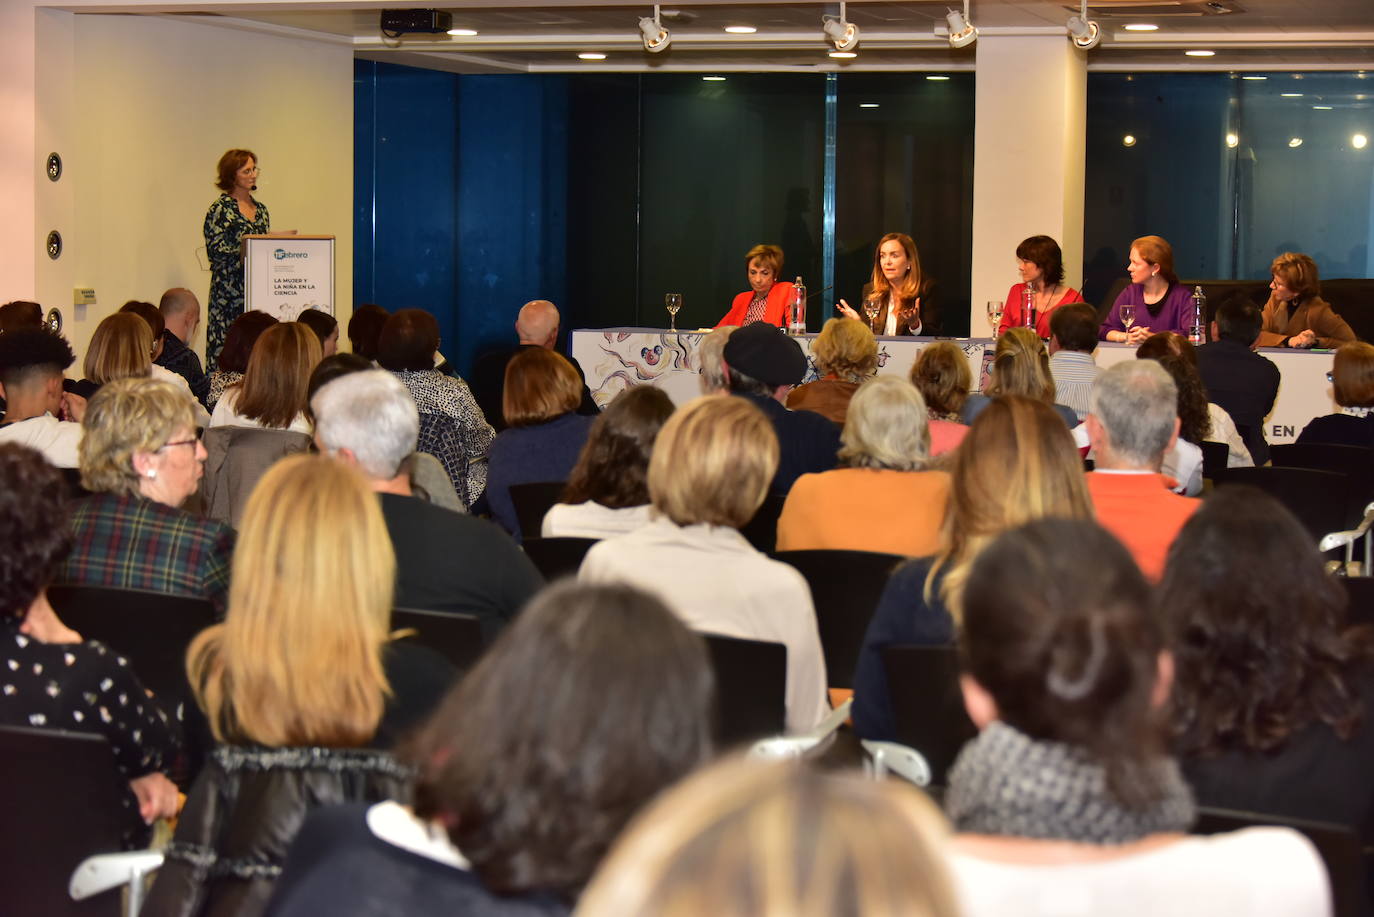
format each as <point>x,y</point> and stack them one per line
<point>1160,302</point>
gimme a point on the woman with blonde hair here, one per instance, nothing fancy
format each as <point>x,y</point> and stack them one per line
<point>942,375</point>
<point>846,356</point>
<point>1020,366</point>
<point>121,348</point>
<point>745,838</point>
<point>1018,463</point>
<point>899,291</point>
<point>299,684</point>
<point>712,464</point>
<point>882,498</point>
<point>273,393</point>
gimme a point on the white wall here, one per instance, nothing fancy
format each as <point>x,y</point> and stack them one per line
<point>141,108</point>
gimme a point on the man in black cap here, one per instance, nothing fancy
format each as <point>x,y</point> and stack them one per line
<point>762,364</point>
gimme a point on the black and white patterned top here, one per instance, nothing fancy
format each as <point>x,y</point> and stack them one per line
<point>220,380</point>
<point>86,687</point>
<point>453,428</point>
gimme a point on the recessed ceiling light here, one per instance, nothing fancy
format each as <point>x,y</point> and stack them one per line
<point>1321,108</point>
<point>1254,77</point>
<point>1291,95</point>
<point>937,77</point>
<point>1295,142</point>
<point>1200,53</point>
<point>1140,27</point>
<point>868,104</point>
<point>714,79</point>
<point>1128,140</point>
<point>740,29</point>
<point>1359,141</point>
<point>463,32</point>
<point>843,55</point>
<point>1232,140</point>
<point>591,55</point>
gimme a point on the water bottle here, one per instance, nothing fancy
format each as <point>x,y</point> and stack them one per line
<point>1196,334</point>
<point>1028,307</point>
<point>796,309</point>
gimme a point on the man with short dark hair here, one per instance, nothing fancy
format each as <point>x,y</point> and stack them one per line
<point>31,364</point>
<point>181,315</point>
<point>1073,338</point>
<point>763,364</point>
<point>1244,383</point>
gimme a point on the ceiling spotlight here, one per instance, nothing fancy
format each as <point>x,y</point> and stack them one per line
<point>875,105</point>
<point>656,37</point>
<point>1140,27</point>
<point>1321,108</point>
<point>1128,140</point>
<point>937,77</point>
<point>1084,32</point>
<point>961,31</point>
<point>462,33</point>
<point>591,55</point>
<point>740,29</point>
<point>1255,78</point>
<point>1291,95</point>
<point>1232,141</point>
<point>843,55</point>
<point>844,35</point>
<point>1200,53</point>
<point>1295,143</point>
<point>713,79</point>
<point>1359,141</point>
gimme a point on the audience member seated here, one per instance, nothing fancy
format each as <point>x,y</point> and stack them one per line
<point>594,701</point>
<point>1073,338</point>
<point>20,313</point>
<point>1296,315</point>
<point>711,357</point>
<point>537,325</point>
<point>544,433</point>
<point>365,329</point>
<point>846,354</point>
<point>1272,695</point>
<point>1240,380</point>
<point>749,837</point>
<point>38,413</point>
<point>140,459</point>
<point>881,498</point>
<point>52,679</point>
<point>1132,426</point>
<point>1020,366</point>
<point>608,490</point>
<point>1068,794</point>
<point>708,476</point>
<point>1223,428</point>
<point>452,428</point>
<point>121,348</point>
<point>1352,384</point>
<point>326,328</point>
<point>1183,462</point>
<point>300,687</point>
<point>157,326</point>
<point>445,561</point>
<point>762,363</point>
<point>272,394</point>
<point>180,311</point>
<point>1017,463</point>
<point>243,333</point>
<point>941,374</point>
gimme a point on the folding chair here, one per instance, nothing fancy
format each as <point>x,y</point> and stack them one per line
<point>927,704</point>
<point>458,638</point>
<point>751,688</point>
<point>532,501</point>
<point>762,530</point>
<point>557,557</point>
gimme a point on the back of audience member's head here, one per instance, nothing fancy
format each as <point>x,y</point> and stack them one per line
<point>1239,320</point>
<point>760,358</point>
<point>1072,653</point>
<point>1164,343</point>
<point>365,328</point>
<point>613,469</point>
<point>149,313</point>
<point>711,355</point>
<point>886,427</point>
<point>745,838</point>
<point>540,385</point>
<point>846,349</point>
<point>297,660</point>
<point>121,347</point>
<point>408,341</point>
<point>34,535</point>
<point>590,703</point>
<point>1257,629</point>
<point>243,333</point>
<point>21,313</point>
<point>1352,375</point>
<point>1021,366</point>
<point>1018,463</point>
<point>329,369</point>
<point>1194,417</point>
<point>126,417</point>
<point>325,326</point>
<point>32,356</point>
<point>273,390</point>
<point>713,462</point>
<point>941,373</point>
<point>1074,326</point>
<point>373,416</point>
<point>1136,403</point>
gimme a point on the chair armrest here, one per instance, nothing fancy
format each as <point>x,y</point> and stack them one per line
<point>796,746</point>
<point>902,760</point>
<point>105,871</point>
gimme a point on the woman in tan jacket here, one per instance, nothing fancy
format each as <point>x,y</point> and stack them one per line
<point>1296,315</point>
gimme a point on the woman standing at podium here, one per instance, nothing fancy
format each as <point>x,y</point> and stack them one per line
<point>232,215</point>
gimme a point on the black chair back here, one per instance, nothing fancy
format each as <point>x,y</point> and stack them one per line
<point>458,638</point>
<point>1356,462</point>
<point>1338,846</point>
<point>1361,592</point>
<point>762,530</point>
<point>1214,457</point>
<point>751,688</point>
<point>532,501</point>
<point>61,798</point>
<point>557,557</point>
<point>845,588</point>
<point>1318,498</point>
<point>927,703</point>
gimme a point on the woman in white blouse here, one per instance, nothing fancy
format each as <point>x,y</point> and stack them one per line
<point>273,393</point>
<point>898,289</point>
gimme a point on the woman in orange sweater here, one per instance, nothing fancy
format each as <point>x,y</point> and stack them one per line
<point>767,297</point>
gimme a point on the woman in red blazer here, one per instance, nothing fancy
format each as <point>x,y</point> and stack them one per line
<point>767,298</point>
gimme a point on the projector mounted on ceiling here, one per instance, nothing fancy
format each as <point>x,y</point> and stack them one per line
<point>396,23</point>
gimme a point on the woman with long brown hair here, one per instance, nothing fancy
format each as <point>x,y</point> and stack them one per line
<point>899,290</point>
<point>274,389</point>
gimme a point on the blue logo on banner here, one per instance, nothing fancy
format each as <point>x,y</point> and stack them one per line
<point>281,254</point>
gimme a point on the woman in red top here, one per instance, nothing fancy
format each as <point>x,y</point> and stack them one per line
<point>1041,265</point>
<point>767,298</point>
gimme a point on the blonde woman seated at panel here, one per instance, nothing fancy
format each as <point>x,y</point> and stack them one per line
<point>846,354</point>
<point>881,499</point>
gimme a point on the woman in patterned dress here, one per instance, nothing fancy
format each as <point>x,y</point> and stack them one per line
<point>232,215</point>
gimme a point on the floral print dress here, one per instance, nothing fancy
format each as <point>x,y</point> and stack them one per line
<point>225,225</point>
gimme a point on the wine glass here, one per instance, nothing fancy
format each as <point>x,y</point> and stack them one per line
<point>872,305</point>
<point>1127,318</point>
<point>994,315</point>
<point>672,302</point>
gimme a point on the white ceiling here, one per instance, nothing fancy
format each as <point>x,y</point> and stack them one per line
<point>546,35</point>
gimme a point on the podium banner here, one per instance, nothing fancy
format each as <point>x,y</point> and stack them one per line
<point>283,275</point>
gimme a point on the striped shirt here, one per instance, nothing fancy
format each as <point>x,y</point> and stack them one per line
<point>1075,373</point>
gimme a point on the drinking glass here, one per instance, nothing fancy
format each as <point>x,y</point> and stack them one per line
<point>672,302</point>
<point>1127,317</point>
<point>994,314</point>
<point>872,306</point>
